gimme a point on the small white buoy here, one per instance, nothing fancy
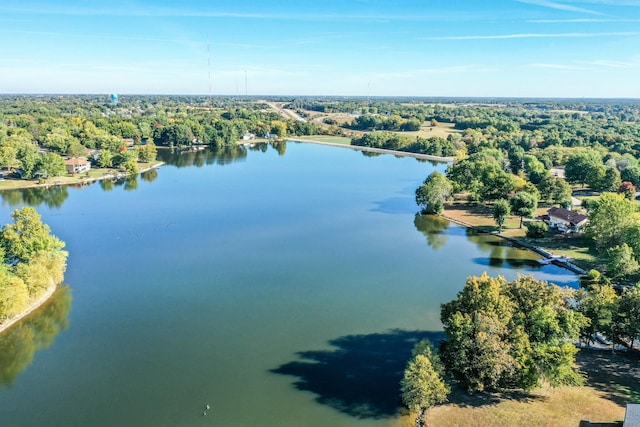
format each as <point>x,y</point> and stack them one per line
<point>208,407</point>
<point>204,413</point>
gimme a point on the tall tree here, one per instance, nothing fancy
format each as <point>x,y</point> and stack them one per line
<point>524,204</point>
<point>501,210</point>
<point>609,220</point>
<point>598,304</point>
<point>621,262</point>
<point>422,387</point>
<point>628,314</point>
<point>433,193</point>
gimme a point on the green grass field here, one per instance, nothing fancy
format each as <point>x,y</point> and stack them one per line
<point>442,130</point>
<point>327,138</point>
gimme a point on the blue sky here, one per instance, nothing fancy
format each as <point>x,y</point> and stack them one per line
<point>519,48</point>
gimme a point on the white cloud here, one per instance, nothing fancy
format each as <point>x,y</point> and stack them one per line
<point>559,6</point>
<point>152,11</point>
<point>612,64</point>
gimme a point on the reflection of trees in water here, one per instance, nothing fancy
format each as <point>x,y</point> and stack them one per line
<point>500,251</point>
<point>280,147</point>
<point>432,227</point>
<point>220,156</point>
<point>106,184</point>
<point>37,332</point>
<point>131,183</point>
<point>370,153</point>
<point>53,196</point>
<point>259,146</point>
<point>150,175</point>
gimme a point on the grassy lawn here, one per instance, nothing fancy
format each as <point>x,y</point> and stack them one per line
<point>426,131</point>
<point>327,138</point>
<point>575,246</point>
<point>92,174</point>
<point>612,380</point>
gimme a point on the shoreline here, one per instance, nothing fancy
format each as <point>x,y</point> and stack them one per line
<point>34,184</point>
<point>540,251</point>
<point>378,150</point>
<point>39,302</point>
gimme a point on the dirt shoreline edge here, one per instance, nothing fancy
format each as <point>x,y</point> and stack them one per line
<point>376,150</point>
<point>39,302</point>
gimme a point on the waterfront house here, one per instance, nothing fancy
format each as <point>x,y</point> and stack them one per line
<point>76,165</point>
<point>566,221</point>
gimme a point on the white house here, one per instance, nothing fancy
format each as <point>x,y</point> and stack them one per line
<point>566,221</point>
<point>77,165</point>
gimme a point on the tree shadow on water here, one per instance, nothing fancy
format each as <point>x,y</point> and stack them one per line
<point>361,376</point>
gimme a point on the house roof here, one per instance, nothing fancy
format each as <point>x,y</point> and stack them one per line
<point>632,416</point>
<point>76,161</point>
<point>572,217</point>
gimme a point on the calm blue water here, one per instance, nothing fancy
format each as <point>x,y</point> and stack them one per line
<point>282,288</point>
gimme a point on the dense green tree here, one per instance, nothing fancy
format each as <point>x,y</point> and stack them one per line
<point>537,229</point>
<point>27,236</point>
<point>534,169</point>
<point>510,334</point>
<point>584,166</point>
<point>598,304</point>
<point>550,325</point>
<point>279,128</point>
<point>610,217</point>
<point>28,157</point>
<point>628,314</point>
<point>433,193</point>
<point>596,176</point>
<point>610,181</point>
<point>497,184</point>
<point>105,159</point>
<point>631,174</point>
<point>477,350</point>
<point>621,262</point>
<point>8,155</point>
<point>147,153</point>
<point>524,204</point>
<point>50,165</point>
<point>59,140</point>
<point>14,294</point>
<point>501,210</point>
<point>554,190</point>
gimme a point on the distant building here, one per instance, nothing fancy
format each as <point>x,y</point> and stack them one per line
<point>566,221</point>
<point>77,165</point>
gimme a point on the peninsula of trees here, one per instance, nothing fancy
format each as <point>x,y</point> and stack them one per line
<point>33,262</point>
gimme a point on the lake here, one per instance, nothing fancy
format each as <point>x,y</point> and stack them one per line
<point>281,285</point>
